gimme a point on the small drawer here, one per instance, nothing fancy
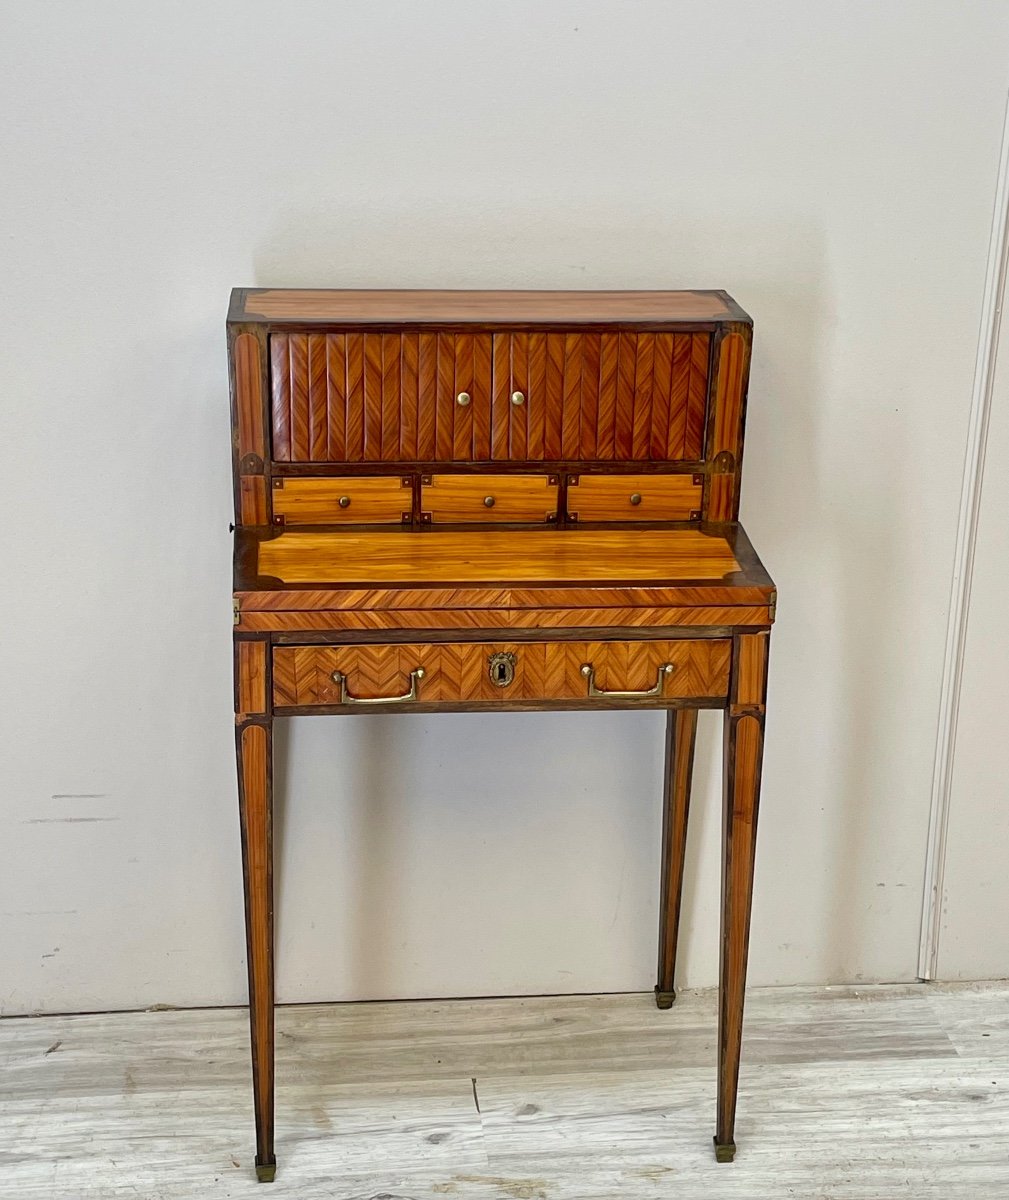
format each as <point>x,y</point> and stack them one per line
<point>584,673</point>
<point>488,498</point>
<point>342,500</point>
<point>634,497</point>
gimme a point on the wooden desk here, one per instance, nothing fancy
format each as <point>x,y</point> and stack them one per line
<point>473,501</point>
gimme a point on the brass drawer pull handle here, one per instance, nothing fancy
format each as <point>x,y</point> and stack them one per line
<point>636,498</point>
<point>416,675</point>
<point>344,502</point>
<point>488,501</point>
<point>462,399</point>
<point>595,693</point>
<point>518,398</point>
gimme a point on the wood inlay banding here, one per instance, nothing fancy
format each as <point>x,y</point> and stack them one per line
<point>435,619</point>
<point>536,597</point>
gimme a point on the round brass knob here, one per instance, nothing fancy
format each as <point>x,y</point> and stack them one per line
<point>463,399</point>
<point>488,501</point>
<point>636,498</point>
<point>518,398</point>
<point>344,502</point>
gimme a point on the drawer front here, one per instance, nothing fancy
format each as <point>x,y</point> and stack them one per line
<point>488,498</point>
<point>634,497</point>
<point>345,500</point>
<point>502,671</point>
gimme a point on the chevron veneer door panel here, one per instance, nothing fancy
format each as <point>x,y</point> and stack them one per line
<point>543,671</point>
<point>628,396</point>
<point>380,397</point>
<point>533,396</point>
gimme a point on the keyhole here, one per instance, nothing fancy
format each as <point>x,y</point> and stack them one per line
<point>501,669</point>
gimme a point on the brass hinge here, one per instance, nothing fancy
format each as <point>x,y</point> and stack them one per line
<point>235,612</point>
<point>772,604</point>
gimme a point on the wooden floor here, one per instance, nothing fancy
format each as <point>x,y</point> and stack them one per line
<point>869,1093</point>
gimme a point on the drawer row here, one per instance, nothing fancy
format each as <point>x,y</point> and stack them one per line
<point>609,672</point>
<point>484,499</point>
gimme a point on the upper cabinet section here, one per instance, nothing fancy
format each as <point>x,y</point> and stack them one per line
<point>572,384</point>
<point>526,396</point>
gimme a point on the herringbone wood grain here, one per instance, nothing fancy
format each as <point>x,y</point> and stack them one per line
<point>429,620</point>
<point>302,675</point>
<point>391,397</point>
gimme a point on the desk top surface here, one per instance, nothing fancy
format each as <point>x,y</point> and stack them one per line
<point>514,308</point>
<point>496,558</point>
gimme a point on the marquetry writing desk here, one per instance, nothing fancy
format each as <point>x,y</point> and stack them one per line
<point>489,501</point>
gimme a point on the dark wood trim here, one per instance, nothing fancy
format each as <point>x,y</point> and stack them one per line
<point>488,706</point>
<point>531,466</point>
<point>601,633</point>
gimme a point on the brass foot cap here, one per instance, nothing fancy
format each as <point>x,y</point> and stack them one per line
<point>664,999</point>
<point>265,1172</point>
<point>724,1151</point>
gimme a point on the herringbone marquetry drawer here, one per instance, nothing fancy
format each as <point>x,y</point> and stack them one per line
<point>489,672</point>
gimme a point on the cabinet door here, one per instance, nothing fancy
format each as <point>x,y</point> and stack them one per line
<point>619,396</point>
<point>380,397</point>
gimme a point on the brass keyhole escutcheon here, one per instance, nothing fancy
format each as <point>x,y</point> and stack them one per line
<point>501,668</point>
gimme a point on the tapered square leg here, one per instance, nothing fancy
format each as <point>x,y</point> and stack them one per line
<point>254,743</point>
<point>743,754</point>
<point>681,732</point>
<point>254,754</point>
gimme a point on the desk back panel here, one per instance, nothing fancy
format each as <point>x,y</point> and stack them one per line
<point>614,392</point>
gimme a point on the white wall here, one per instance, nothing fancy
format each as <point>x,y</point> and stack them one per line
<point>974,932</point>
<point>832,166</point>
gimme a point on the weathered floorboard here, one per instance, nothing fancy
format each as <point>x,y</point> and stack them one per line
<point>580,1098</point>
